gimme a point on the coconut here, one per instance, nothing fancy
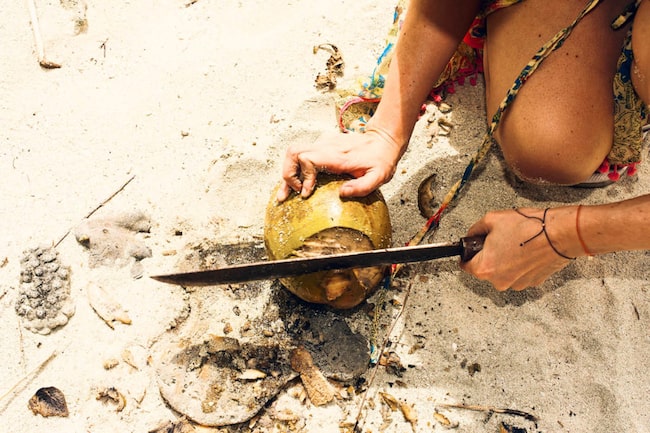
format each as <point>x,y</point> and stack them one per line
<point>324,224</point>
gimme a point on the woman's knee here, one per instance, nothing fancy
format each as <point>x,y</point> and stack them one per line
<point>560,152</point>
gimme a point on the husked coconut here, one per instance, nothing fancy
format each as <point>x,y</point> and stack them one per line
<point>324,224</point>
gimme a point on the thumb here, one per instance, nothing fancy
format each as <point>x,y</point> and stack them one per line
<point>480,227</point>
<point>359,187</point>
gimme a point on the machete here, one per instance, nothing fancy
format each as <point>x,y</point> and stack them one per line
<point>466,248</point>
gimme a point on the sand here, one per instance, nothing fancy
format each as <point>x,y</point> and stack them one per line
<point>191,105</point>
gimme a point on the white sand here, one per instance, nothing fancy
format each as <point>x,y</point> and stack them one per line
<point>199,103</point>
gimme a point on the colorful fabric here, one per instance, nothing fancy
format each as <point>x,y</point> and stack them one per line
<point>357,104</point>
<point>478,30</point>
<point>630,112</point>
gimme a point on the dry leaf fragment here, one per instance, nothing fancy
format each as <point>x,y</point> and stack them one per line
<point>48,401</point>
<point>409,413</point>
<point>112,395</point>
<point>319,390</point>
<point>444,421</point>
<point>136,356</point>
<point>335,65</point>
<point>182,426</point>
<point>106,307</point>
<point>393,363</point>
<point>389,400</point>
<point>110,363</point>
<point>507,428</point>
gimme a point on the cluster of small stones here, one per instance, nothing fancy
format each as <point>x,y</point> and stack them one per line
<point>44,301</point>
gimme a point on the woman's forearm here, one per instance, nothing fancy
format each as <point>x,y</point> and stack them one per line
<point>605,228</point>
<point>429,37</point>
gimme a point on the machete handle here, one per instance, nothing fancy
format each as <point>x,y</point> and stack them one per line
<point>471,245</point>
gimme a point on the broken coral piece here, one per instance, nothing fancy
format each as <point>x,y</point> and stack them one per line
<point>43,300</point>
<point>112,241</point>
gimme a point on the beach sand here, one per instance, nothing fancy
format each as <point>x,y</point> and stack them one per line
<point>175,116</point>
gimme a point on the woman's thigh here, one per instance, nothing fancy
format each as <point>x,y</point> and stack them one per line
<point>559,128</point>
<point>641,49</point>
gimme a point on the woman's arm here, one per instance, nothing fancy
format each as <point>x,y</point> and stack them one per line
<point>573,231</point>
<point>430,35</point>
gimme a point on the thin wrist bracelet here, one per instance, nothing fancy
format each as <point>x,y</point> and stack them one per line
<point>383,133</point>
<point>543,230</point>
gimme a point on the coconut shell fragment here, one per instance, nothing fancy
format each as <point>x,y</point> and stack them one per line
<point>208,377</point>
<point>319,390</point>
<point>48,401</point>
<point>323,224</point>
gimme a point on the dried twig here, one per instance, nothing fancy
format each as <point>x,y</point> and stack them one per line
<point>381,351</point>
<point>98,207</point>
<point>526,415</point>
<point>11,392</point>
<point>40,52</point>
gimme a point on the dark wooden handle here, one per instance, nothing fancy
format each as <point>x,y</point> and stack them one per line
<point>471,245</point>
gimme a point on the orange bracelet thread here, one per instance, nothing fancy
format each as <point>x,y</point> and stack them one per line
<point>582,242</point>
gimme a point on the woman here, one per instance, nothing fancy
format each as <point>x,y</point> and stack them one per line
<point>557,130</point>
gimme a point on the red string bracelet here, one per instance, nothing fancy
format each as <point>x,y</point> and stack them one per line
<point>582,242</point>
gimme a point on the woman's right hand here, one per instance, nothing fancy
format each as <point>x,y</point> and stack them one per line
<point>370,158</point>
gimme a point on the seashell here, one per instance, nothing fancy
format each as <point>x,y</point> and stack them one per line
<point>445,126</point>
<point>444,107</point>
<point>325,224</point>
<point>112,395</point>
<point>251,374</point>
<point>106,307</point>
<point>48,401</point>
<point>426,197</point>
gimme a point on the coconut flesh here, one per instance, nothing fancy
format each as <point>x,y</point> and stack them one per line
<point>326,224</point>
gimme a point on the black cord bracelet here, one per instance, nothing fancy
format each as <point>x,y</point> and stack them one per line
<point>543,230</point>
